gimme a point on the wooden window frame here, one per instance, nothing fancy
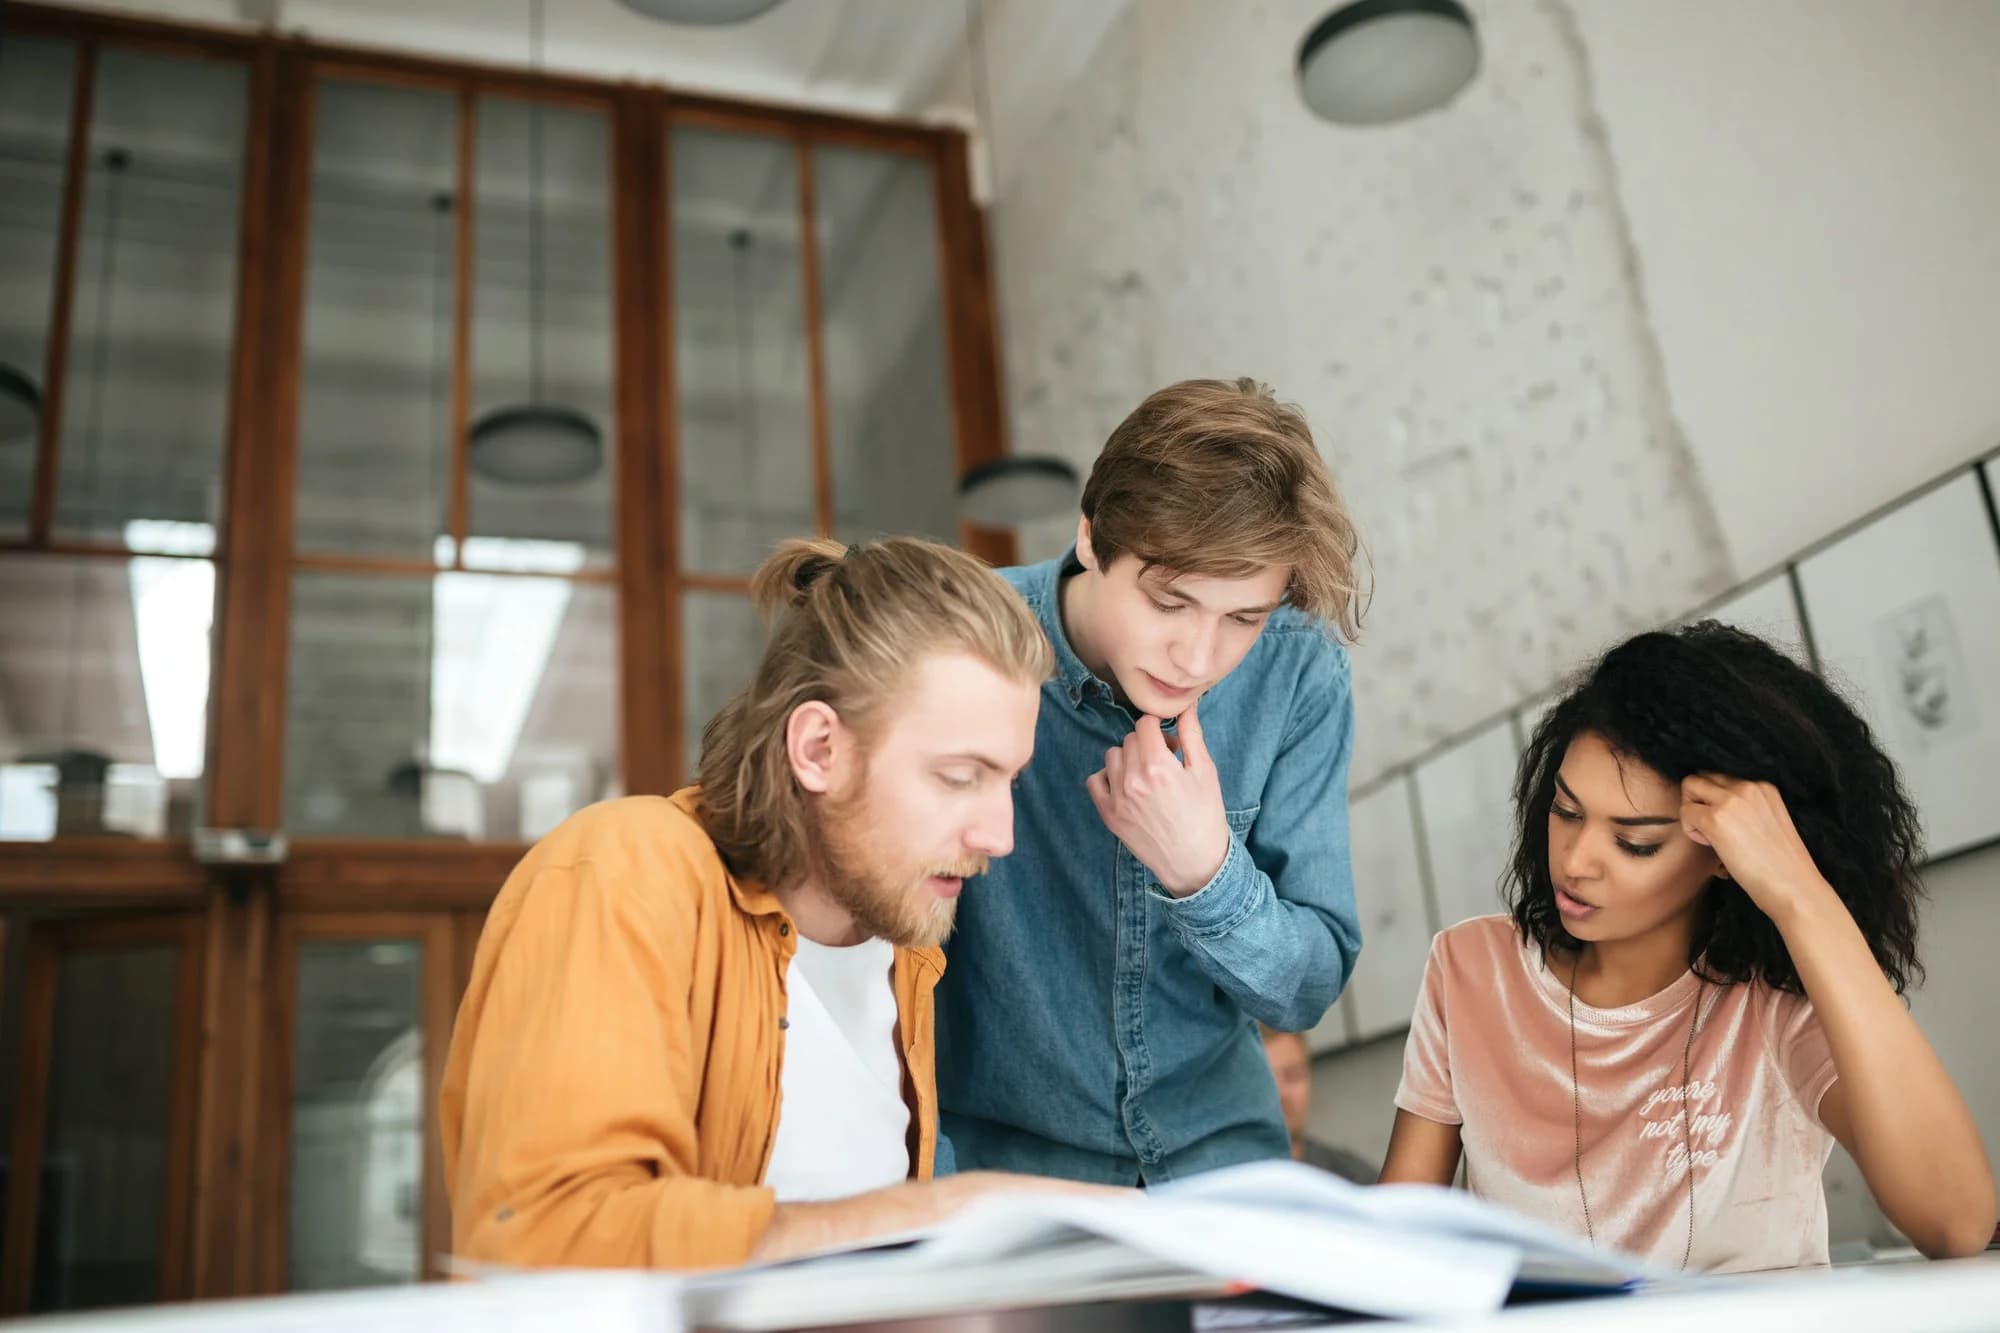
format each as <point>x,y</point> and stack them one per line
<point>246,923</point>
<point>48,943</point>
<point>438,988</point>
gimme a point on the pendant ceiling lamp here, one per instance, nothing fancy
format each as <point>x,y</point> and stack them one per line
<point>1020,488</point>
<point>740,241</point>
<point>1374,62</point>
<point>82,770</point>
<point>706,13</point>
<point>20,406</point>
<point>537,442</point>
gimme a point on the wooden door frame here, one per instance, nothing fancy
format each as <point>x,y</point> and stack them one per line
<point>435,932</point>
<point>48,942</point>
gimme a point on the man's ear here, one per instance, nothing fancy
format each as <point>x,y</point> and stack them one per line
<point>1086,554</point>
<point>812,744</point>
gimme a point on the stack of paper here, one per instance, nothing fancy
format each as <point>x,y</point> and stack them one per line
<point>1401,1251</point>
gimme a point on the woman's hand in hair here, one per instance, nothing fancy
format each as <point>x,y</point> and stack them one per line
<point>1892,1105</point>
<point>1752,835</point>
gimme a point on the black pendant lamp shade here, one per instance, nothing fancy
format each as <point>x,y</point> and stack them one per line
<point>1019,489</point>
<point>536,443</point>
<point>20,406</point>
<point>704,13</point>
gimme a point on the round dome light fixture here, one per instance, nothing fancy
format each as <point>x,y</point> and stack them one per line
<point>20,406</point>
<point>1374,62</point>
<point>704,13</point>
<point>536,444</point>
<point>1021,488</point>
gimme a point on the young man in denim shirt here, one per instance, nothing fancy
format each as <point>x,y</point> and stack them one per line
<point>1180,870</point>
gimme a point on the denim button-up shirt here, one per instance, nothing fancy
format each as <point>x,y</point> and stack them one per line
<point>1091,1025</point>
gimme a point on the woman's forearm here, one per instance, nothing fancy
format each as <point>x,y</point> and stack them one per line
<point>1895,1108</point>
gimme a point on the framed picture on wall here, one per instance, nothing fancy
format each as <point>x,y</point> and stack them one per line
<point>1768,609</point>
<point>1906,615</point>
<point>1465,801</point>
<point>1389,893</point>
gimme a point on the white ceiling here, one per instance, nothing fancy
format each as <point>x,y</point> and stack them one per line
<point>871,56</point>
<point>904,58</point>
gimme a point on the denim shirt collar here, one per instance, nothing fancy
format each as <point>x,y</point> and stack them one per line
<point>1077,679</point>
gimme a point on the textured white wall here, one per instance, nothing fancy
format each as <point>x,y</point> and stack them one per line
<point>1452,302</point>
<point>1814,186</point>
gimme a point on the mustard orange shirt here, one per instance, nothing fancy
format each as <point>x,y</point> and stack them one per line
<point>611,1093</point>
<point>1489,1051</point>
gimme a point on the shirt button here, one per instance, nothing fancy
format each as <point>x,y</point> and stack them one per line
<point>783,1023</point>
<point>784,928</point>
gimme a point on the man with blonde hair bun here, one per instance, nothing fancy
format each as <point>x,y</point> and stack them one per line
<point>698,1029</point>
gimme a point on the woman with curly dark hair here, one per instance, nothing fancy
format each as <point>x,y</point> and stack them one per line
<point>1698,991</point>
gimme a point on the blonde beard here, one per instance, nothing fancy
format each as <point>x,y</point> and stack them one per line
<point>885,903</point>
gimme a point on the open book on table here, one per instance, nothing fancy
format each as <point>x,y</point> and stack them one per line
<point>1401,1251</point>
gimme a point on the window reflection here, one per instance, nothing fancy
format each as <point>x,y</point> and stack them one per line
<point>888,395</point>
<point>106,1155</point>
<point>375,383</point>
<point>35,91</point>
<point>388,1223</point>
<point>173,603</point>
<point>542,307</point>
<point>153,309</point>
<point>467,705</point>
<point>745,443</point>
<point>104,679</point>
<point>724,641</point>
<point>357,1134</point>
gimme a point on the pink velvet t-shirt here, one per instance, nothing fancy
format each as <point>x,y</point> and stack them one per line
<point>1489,1051</point>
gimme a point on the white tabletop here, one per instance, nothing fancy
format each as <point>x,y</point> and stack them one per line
<point>1962,1294</point>
<point>1919,1297</point>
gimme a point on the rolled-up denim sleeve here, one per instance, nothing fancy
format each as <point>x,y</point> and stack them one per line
<point>1276,928</point>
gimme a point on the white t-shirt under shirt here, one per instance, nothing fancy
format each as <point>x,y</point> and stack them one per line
<point>1489,1050</point>
<point>843,1127</point>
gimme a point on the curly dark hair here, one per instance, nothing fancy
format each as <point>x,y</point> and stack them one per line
<point>1707,698</point>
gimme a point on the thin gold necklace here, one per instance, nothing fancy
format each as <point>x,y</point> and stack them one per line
<point>1687,1121</point>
